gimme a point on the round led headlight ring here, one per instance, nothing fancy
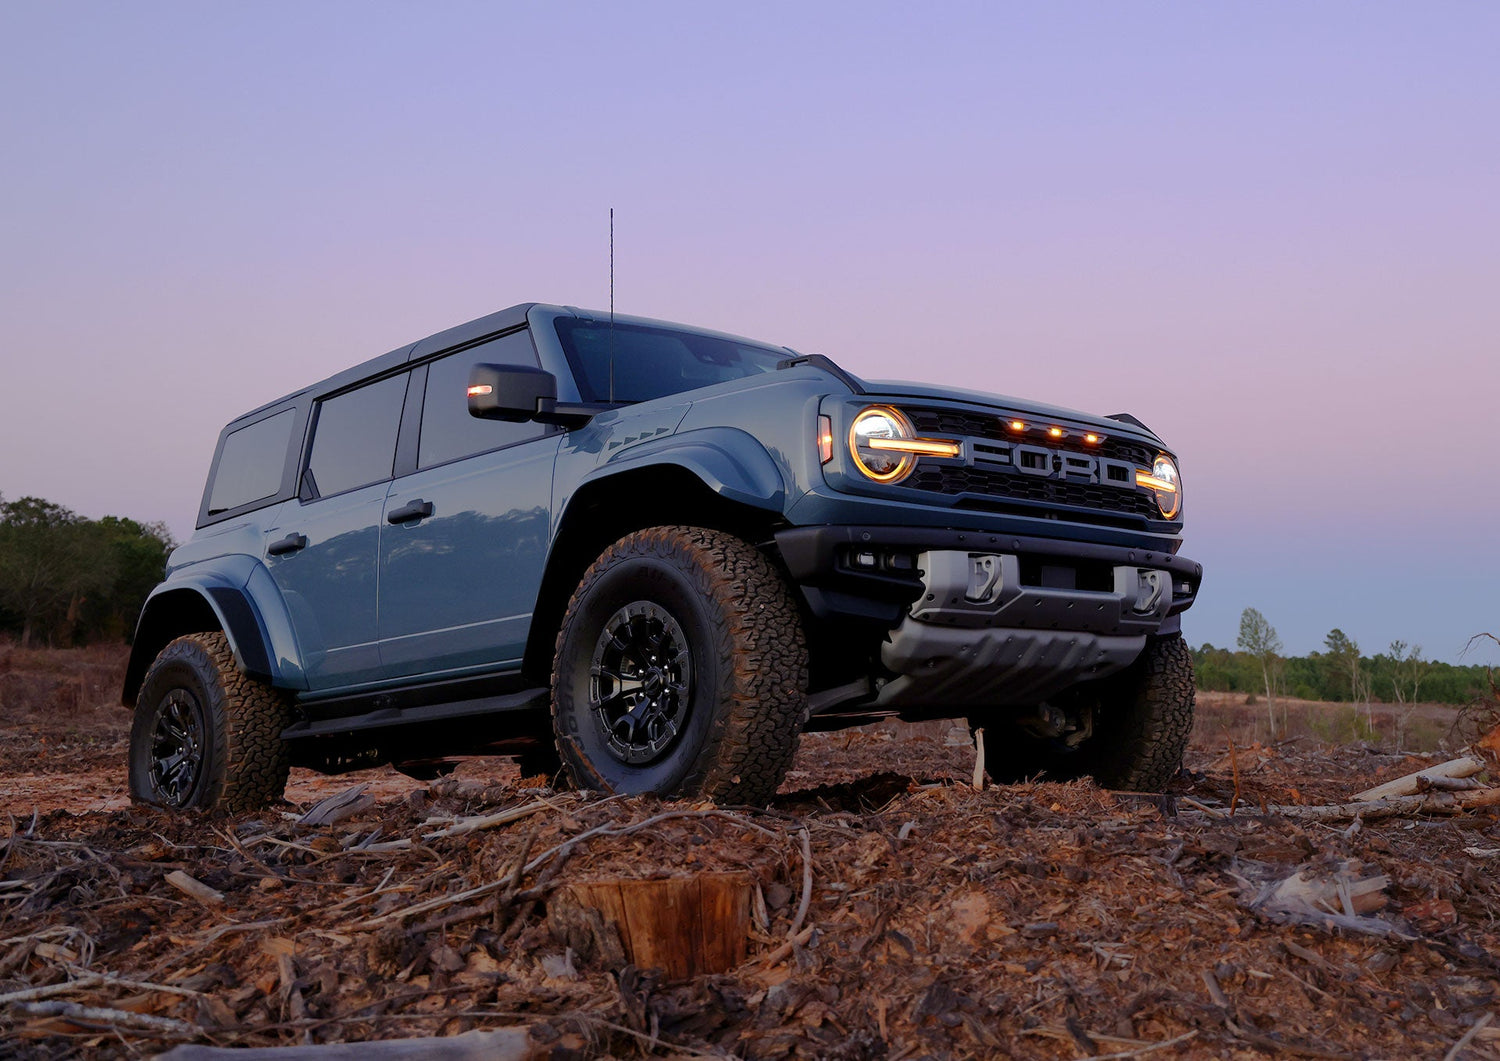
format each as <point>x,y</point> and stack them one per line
<point>872,426</point>
<point>1169,493</point>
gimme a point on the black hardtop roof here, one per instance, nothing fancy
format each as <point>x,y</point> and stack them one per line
<point>490,323</point>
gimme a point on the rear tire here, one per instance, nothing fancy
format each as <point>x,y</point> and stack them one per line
<point>206,736</point>
<point>1141,731</point>
<point>680,669</point>
<point>1141,720</point>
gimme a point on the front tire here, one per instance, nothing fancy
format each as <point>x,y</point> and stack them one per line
<point>206,736</point>
<point>680,669</point>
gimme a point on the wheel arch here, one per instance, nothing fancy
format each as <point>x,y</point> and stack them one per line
<point>173,611</point>
<point>609,506</point>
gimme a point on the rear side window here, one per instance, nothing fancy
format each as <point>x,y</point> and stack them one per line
<point>354,443</point>
<point>250,464</point>
<point>448,431</point>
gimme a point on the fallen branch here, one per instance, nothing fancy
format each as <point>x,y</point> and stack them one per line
<point>488,821</point>
<point>85,979</point>
<point>196,888</point>
<point>1430,803</point>
<point>781,952</point>
<point>503,1044</point>
<point>1449,784</point>
<point>1474,1029</point>
<point>97,1017</point>
<point>1410,784</point>
<point>807,884</point>
<point>1139,1051</point>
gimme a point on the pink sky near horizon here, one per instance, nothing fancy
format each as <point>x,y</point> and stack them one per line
<point>1269,230</point>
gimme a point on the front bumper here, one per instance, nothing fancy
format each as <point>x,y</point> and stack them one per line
<point>981,618</point>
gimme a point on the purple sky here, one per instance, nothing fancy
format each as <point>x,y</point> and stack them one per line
<point>1272,231</point>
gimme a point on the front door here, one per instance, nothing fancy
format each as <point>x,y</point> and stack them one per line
<point>465,536</point>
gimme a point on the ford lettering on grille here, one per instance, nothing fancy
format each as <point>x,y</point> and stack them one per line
<point>1046,463</point>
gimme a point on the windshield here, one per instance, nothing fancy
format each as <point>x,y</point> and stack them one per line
<point>653,362</point>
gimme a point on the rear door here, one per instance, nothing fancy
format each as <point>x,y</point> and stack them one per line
<point>464,538</point>
<point>324,548</point>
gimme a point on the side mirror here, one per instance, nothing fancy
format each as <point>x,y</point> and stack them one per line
<point>510,392</point>
<point>518,393</point>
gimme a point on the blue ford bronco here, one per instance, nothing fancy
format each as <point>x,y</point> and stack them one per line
<point>645,557</point>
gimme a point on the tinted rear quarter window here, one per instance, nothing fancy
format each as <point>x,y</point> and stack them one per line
<point>448,431</point>
<point>250,464</point>
<point>354,443</point>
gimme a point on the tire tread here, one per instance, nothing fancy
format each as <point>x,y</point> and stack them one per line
<point>756,628</point>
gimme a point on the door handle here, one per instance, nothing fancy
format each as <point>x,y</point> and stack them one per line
<point>412,510</point>
<point>290,544</point>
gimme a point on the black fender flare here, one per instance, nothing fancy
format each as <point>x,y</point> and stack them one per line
<point>186,607</point>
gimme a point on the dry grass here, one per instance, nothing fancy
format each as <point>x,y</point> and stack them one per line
<point>1245,720</point>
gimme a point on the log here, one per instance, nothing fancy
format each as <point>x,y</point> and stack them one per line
<point>685,926</point>
<point>503,1044</point>
<point>1431,803</point>
<point>1464,766</point>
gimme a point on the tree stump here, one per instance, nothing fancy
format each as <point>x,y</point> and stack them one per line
<point>685,926</point>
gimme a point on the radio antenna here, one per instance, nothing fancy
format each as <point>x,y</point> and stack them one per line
<point>611,305</point>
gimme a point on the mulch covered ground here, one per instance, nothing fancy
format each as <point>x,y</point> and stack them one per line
<point>1033,921</point>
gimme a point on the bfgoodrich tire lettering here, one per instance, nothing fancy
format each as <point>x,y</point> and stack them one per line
<point>206,736</point>
<point>680,669</point>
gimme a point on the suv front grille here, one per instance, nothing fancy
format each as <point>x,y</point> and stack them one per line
<point>992,481</point>
<point>958,480</point>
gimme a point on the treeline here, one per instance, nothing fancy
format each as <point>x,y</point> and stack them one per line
<point>68,580</point>
<point>1341,672</point>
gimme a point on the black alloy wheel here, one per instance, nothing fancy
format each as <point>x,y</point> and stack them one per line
<point>640,682</point>
<point>177,748</point>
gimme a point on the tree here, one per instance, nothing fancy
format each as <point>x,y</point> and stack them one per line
<point>1258,637</point>
<point>1408,668</point>
<point>1343,659</point>
<point>139,551</point>
<point>49,562</point>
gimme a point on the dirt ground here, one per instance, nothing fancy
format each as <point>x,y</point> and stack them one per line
<point>1031,921</point>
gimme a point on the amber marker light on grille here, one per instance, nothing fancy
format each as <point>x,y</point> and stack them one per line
<point>1018,425</point>
<point>1091,439</point>
<point>480,389</point>
<point>923,447</point>
<point>825,439</point>
<point>1055,432</point>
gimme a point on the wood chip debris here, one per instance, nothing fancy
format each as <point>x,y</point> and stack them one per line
<point>892,908</point>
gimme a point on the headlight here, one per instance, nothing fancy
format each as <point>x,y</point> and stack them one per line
<point>1165,483</point>
<point>869,438</point>
<point>885,447</point>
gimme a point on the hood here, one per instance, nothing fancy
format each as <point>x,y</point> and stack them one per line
<point>897,388</point>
